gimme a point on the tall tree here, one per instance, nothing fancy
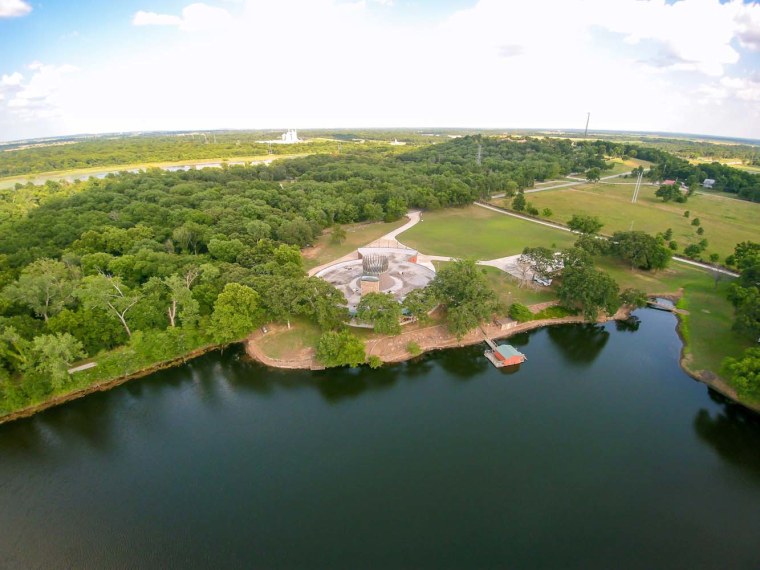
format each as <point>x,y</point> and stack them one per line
<point>340,349</point>
<point>237,312</point>
<point>52,354</point>
<point>590,290</point>
<point>382,310</point>
<point>108,293</point>
<point>585,224</point>
<point>641,249</point>
<point>45,286</point>
<point>465,293</point>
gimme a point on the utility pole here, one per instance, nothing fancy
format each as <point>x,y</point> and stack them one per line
<point>588,118</point>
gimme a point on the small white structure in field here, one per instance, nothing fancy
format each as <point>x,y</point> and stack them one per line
<point>708,183</point>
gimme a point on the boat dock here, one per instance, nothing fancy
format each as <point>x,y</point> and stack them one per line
<point>501,355</point>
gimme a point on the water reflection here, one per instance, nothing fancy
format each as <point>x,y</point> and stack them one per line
<point>579,344</point>
<point>631,324</point>
<point>734,433</point>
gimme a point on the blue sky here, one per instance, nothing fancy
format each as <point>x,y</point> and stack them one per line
<point>104,66</point>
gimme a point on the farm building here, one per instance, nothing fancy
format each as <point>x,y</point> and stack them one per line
<point>708,183</point>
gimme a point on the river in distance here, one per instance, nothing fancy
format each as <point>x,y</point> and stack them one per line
<point>598,453</point>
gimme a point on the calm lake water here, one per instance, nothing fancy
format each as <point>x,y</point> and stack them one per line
<point>598,453</point>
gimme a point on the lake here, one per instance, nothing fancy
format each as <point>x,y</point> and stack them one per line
<point>599,452</point>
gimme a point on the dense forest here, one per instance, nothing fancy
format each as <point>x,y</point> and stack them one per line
<point>142,267</point>
<point>138,268</point>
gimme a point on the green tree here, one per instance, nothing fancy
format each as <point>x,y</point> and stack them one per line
<point>190,236</point>
<point>52,354</point>
<point>541,261</point>
<point>585,224</point>
<point>237,312</point>
<point>14,349</point>
<point>45,286</point>
<point>746,302</point>
<point>382,310</point>
<point>340,349</point>
<point>323,303</point>
<point>631,297</point>
<point>695,222</point>
<point>670,192</point>
<point>519,202</point>
<point>338,235</point>
<point>465,293</point>
<point>593,174</point>
<point>94,328</point>
<point>225,249</point>
<point>641,249</point>
<point>746,254</point>
<point>106,293</point>
<point>589,290</point>
<point>180,300</point>
<point>418,303</point>
<point>744,373</point>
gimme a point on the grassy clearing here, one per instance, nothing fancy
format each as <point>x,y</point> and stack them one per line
<point>357,235</point>
<point>479,233</point>
<point>506,289</point>
<point>622,166</point>
<point>726,221</point>
<point>708,324</point>
<point>472,231</point>
<point>303,334</point>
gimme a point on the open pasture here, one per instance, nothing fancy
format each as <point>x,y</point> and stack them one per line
<point>726,221</point>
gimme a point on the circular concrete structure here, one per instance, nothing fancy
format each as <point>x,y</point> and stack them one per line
<point>402,275</point>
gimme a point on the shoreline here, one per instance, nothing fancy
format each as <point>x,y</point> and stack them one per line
<point>104,385</point>
<point>442,341</point>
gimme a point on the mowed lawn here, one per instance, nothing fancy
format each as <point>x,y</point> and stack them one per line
<point>726,221</point>
<point>357,235</point>
<point>483,234</point>
<point>479,233</point>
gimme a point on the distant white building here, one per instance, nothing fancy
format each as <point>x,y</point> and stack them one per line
<point>708,183</point>
<point>290,137</point>
<point>397,143</point>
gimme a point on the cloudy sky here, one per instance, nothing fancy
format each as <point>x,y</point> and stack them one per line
<point>76,66</point>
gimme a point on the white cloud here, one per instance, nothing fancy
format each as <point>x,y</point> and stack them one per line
<point>14,8</point>
<point>333,63</point>
<point>194,17</point>
<point>748,20</point>
<point>11,80</point>
<point>35,99</point>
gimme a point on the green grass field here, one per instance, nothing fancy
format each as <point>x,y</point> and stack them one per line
<point>478,233</point>
<point>357,235</point>
<point>623,166</point>
<point>506,289</point>
<point>484,234</point>
<point>303,334</point>
<point>726,221</point>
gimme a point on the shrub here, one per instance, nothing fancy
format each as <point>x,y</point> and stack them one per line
<point>520,313</point>
<point>375,361</point>
<point>413,348</point>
